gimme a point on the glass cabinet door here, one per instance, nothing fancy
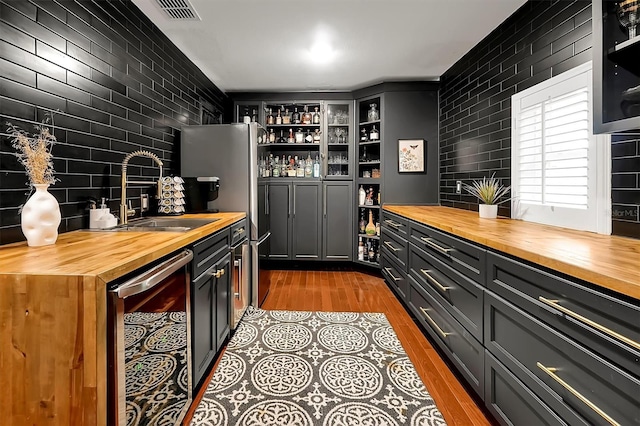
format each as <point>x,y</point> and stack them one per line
<point>248,111</point>
<point>339,139</point>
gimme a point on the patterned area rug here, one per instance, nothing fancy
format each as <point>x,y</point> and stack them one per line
<point>299,368</point>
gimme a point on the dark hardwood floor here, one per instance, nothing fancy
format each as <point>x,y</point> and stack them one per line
<point>347,290</point>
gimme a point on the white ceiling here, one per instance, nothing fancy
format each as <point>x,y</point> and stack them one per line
<point>263,45</point>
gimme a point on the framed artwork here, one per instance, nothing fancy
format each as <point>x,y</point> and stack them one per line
<point>411,156</point>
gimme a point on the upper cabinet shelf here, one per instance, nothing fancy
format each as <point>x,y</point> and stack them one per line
<point>616,69</point>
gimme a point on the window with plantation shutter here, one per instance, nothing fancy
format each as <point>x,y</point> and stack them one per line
<point>559,175</point>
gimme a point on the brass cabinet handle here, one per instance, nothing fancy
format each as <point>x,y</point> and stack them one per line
<point>218,273</point>
<point>438,247</point>
<point>433,323</point>
<point>388,244</point>
<point>591,323</point>
<point>551,371</point>
<point>433,280</point>
<point>238,231</point>
<point>391,275</point>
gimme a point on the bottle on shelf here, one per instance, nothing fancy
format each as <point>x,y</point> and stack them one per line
<point>270,119</point>
<point>300,166</point>
<point>370,229</point>
<point>308,167</point>
<point>368,200</point>
<point>291,138</point>
<point>365,157</point>
<point>372,252</point>
<point>316,136</point>
<point>299,136</point>
<point>316,168</point>
<point>245,117</point>
<point>254,116</point>
<point>361,196</point>
<point>362,225</point>
<point>363,135</point>
<point>360,249</point>
<point>295,117</point>
<point>278,117</point>
<point>306,116</point>
<point>281,138</point>
<point>366,251</point>
<point>374,135</point>
<point>286,118</point>
<point>372,114</point>
<point>378,229</point>
<point>276,167</point>
<point>316,116</point>
<point>272,136</point>
<point>308,137</point>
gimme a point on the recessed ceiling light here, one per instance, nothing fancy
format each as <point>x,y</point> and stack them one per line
<point>321,52</point>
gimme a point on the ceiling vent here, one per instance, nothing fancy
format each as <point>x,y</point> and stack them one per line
<point>179,9</point>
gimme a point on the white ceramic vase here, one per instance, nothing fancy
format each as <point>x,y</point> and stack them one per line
<point>488,211</point>
<point>41,217</point>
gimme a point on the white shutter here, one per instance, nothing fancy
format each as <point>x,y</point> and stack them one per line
<point>554,173</point>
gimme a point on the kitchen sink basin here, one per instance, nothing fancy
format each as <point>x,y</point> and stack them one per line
<point>161,224</point>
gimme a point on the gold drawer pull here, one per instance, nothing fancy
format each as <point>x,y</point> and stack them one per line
<point>388,244</point>
<point>433,280</point>
<point>551,371</point>
<point>433,323</point>
<point>391,275</point>
<point>599,327</point>
<point>238,231</point>
<point>218,273</point>
<point>438,247</point>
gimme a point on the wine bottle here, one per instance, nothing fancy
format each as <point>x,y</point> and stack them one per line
<point>316,168</point>
<point>363,223</point>
<point>316,116</point>
<point>370,228</point>
<point>270,117</point>
<point>360,249</point>
<point>295,117</point>
<point>361,196</point>
<point>291,138</point>
<point>308,166</point>
<point>279,118</point>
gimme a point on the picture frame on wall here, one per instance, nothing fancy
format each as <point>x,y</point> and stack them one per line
<point>411,156</point>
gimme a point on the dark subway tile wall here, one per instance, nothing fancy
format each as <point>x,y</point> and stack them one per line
<point>540,40</point>
<point>114,83</point>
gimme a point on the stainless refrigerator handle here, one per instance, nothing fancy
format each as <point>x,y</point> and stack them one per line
<point>261,240</point>
<point>149,279</point>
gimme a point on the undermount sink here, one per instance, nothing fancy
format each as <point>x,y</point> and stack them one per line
<point>161,224</point>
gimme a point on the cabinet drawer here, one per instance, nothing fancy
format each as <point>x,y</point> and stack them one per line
<point>510,401</point>
<point>208,250</point>
<point>397,224</point>
<point>566,376</point>
<point>396,246</point>
<point>466,258</point>
<point>460,346</point>
<point>394,274</point>
<point>239,231</point>
<point>608,325</point>
<point>457,293</point>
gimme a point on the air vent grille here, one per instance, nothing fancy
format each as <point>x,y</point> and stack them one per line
<point>179,9</point>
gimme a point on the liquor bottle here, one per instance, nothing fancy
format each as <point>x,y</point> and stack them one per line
<point>300,164</point>
<point>306,116</point>
<point>254,116</point>
<point>316,116</point>
<point>316,136</point>
<point>366,251</point>
<point>286,118</point>
<point>360,249</point>
<point>279,118</point>
<point>372,114</point>
<point>245,117</point>
<point>370,228</point>
<point>276,167</point>
<point>368,200</point>
<point>308,138</point>
<point>363,135</point>
<point>361,196</point>
<point>363,223</point>
<point>316,168</point>
<point>291,138</point>
<point>282,139</point>
<point>270,117</point>
<point>365,157</point>
<point>272,136</point>
<point>299,136</point>
<point>308,167</point>
<point>295,117</point>
<point>378,229</point>
<point>372,252</point>
<point>374,135</point>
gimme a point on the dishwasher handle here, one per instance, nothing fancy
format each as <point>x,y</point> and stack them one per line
<point>149,279</point>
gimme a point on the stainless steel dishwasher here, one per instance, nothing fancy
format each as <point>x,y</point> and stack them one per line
<point>149,341</point>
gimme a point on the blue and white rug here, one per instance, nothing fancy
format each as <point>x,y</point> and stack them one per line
<point>300,368</point>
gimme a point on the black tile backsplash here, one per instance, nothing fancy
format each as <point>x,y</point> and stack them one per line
<point>115,84</point>
<point>540,40</point>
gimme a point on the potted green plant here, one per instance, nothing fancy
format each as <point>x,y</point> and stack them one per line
<point>490,192</point>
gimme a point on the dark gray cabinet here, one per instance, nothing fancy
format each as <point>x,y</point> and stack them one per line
<point>337,213</point>
<point>279,213</point>
<point>306,223</point>
<point>210,287</point>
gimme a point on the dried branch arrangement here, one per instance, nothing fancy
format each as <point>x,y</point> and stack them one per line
<point>34,152</point>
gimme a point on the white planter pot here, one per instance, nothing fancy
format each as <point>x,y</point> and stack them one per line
<point>40,217</point>
<point>488,211</point>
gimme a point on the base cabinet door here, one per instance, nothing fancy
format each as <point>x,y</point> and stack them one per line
<point>203,322</point>
<point>279,211</point>
<point>306,224</point>
<point>223,287</point>
<point>337,223</point>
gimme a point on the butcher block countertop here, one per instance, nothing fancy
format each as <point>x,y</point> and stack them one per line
<point>107,255</point>
<point>608,261</point>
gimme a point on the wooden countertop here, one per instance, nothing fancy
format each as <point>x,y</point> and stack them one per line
<point>107,255</point>
<point>611,262</point>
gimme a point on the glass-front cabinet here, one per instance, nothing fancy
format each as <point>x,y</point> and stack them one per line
<point>338,136</point>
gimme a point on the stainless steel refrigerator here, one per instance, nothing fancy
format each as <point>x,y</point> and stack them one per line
<point>229,151</point>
